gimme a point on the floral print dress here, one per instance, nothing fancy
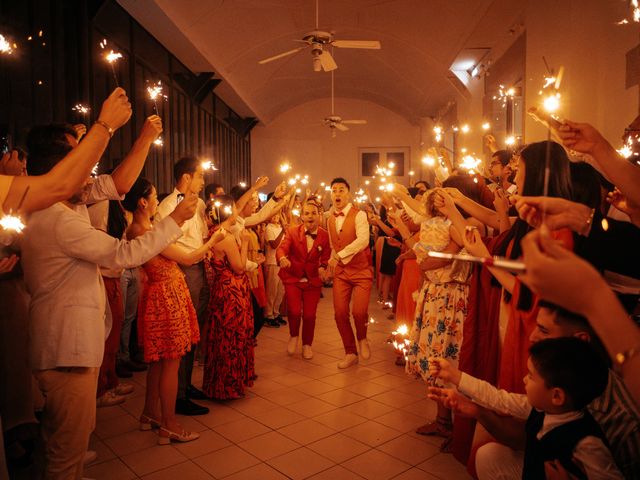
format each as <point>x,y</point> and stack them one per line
<point>441,305</point>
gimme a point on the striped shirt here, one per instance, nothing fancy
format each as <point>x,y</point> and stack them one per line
<point>617,415</point>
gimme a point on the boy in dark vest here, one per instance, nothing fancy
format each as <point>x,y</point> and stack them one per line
<point>562,438</point>
<point>351,266</point>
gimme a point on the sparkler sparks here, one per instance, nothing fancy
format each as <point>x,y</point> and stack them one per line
<point>504,94</point>
<point>155,93</point>
<point>158,142</point>
<point>470,163</point>
<point>111,57</point>
<point>12,223</point>
<point>5,47</point>
<point>285,167</point>
<point>399,339</point>
<point>486,126</point>
<point>428,160</point>
<point>81,109</point>
<point>208,165</point>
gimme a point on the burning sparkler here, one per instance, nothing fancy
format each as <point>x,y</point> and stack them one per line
<point>111,57</point>
<point>6,48</point>
<point>285,167</point>
<point>82,110</point>
<point>400,341</point>
<point>13,223</point>
<point>155,92</point>
<point>208,165</point>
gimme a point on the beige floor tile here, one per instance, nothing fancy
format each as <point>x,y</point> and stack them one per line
<point>191,424</point>
<point>278,417</point>
<point>315,387</point>
<point>415,474</point>
<point>208,442</point>
<point>341,380</point>
<point>134,406</point>
<point>261,471</point>
<point>102,449</point>
<point>249,406</point>
<point>336,473</point>
<point>153,459</point>
<point>183,471</point>
<point>311,407</point>
<point>306,431</point>
<point>340,419</point>
<point>445,466</point>
<point>401,420</point>
<point>300,463</point>
<point>372,433</point>
<point>376,465</point>
<point>394,399</point>
<point>219,415</point>
<point>426,409</point>
<point>107,413</point>
<point>269,445</point>
<point>132,441</point>
<point>409,449</point>
<point>241,430</point>
<point>292,379</point>
<point>340,398</point>
<point>222,463</point>
<point>116,426</point>
<point>389,380</point>
<point>338,447</point>
<point>265,385</point>
<point>369,408</point>
<point>285,396</point>
<point>109,470</point>
<point>367,389</point>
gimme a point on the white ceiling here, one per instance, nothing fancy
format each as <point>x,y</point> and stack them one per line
<point>409,75</point>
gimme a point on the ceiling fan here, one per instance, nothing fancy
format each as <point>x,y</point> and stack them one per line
<point>334,122</point>
<point>317,40</point>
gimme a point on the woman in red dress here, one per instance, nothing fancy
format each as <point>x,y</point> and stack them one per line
<point>229,361</point>
<point>167,321</point>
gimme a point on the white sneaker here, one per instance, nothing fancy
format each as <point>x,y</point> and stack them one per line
<point>349,360</point>
<point>292,345</point>
<point>365,352</point>
<point>89,457</point>
<point>109,399</point>
<point>307,353</point>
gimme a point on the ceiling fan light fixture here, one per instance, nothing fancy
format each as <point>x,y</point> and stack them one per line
<point>317,64</point>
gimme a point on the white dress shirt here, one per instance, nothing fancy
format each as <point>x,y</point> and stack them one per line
<point>61,254</point>
<point>194,230</point>
<point>272,232</point>
<point>591,452</point>
<point>362,234</point>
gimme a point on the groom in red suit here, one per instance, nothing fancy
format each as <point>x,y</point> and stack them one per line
<point>303,255</point>
<point>350,265</point>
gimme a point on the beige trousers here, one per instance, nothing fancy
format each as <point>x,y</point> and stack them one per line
<point>68,419</point>
<point>275,291</point>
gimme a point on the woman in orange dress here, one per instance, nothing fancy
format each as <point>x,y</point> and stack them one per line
<point>229,364</point>
<point>167,321</point>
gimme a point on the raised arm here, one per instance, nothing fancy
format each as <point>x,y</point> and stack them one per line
<point>129,169</point>
<point>73,170</point>
<point>183,257</point>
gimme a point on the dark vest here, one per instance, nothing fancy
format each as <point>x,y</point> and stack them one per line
<point>558,444</point>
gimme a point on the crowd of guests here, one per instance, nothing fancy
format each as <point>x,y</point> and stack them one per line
<point>532,371</point>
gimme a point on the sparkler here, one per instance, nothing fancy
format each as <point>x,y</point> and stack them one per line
<point>111,57</point>
<point>155,92</point>
<point>400,341</point>
<point>12,222</point>
<point>465,128</point>
<point>5,47</point>
<point>217,204</point>
<point>504,94</point>
<point>285,167</point>
<point>470,163</point>
<point>497,262</point>
<point>94,170</point>
<point>437,130</point>
<point>208,165</point>
<point>486,126</point>
<point>428,160</point>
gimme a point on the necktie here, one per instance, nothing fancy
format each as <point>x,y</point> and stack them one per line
<point>338,214</point>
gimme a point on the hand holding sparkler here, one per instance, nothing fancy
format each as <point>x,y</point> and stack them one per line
<point>81,130</point>
<point>581,137</point>
<point>281,190</point>
<point>442,369</point>
<point>186,209</point>
<point>260,182</point>
<point>454,401</point>
<point>622,203</point>
<point>13,163</point>
<point>151,129</point>
<point>473,243</point>
<point>558,213</point>
<point>491,143</point>
<point>116,110</point>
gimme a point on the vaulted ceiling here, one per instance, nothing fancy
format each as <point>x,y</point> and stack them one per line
<point>411,74</point>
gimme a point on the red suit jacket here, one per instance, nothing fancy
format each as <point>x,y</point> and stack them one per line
<point>303,264</point>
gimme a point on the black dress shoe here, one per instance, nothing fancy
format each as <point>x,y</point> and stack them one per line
<point>134,366</point>
<point>271,323</point>
<point>195,394</point>
<point>280,320</point>
<point>184,406</point>
<point>122,371</point>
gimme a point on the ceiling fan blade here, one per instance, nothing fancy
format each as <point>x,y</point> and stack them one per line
<point>341,127</point>
<point>355,122</point>
<point>327,62</point>
<point>370,44</point>
<point>284,54</point>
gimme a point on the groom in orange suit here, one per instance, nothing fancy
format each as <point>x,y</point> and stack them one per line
<point>351,266</point>
<point>303,255</point>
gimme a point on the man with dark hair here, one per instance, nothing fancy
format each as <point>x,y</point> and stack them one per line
<point>189,177</point>
<point>69,317</point>
<point>213,189</point>
<point>501,172</point>
<point>350,265</point>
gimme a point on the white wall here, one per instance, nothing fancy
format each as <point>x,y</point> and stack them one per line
<point>298,137</point>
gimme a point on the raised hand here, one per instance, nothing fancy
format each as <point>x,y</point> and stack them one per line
<point>116,109</point>
<point>11,164</point>
<point>8,263</point>
<point>260,182</point>
<point>500,201</point>
<point>186,209</point>
<point>80,129</point>
<point>580,137</point>
<point>558,212</point>
<point>458,403</point>
<point>473,243</point>
<point>442,369</point>
<point>151,129</point>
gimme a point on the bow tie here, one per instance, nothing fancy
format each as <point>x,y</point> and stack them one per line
<point>309,234</point>
<point>338,214</point>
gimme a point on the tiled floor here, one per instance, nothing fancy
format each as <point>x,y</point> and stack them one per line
<point>303,419</point>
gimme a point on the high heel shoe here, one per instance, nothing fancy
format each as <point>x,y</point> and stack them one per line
<point>165,436</point>
<point>147,423</point>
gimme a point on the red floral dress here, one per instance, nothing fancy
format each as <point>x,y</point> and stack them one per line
<point>229,364</point>
<point>168,324</point>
